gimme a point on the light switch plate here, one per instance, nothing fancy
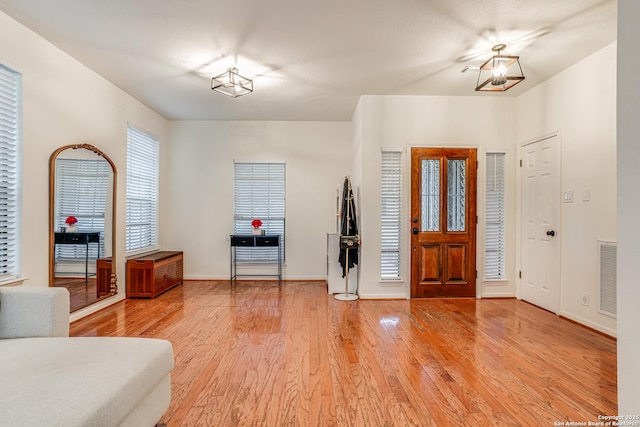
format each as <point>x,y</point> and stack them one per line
<point>567,197</point>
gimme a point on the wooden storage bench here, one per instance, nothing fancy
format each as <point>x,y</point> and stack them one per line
<point>150,275</point>
<point>104,267</point>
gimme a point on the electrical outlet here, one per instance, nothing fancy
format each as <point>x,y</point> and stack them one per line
<point>585,299</point>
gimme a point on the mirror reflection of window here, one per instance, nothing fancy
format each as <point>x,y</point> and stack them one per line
<point>81,187</point>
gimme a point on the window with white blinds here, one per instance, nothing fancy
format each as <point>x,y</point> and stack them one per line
<point>142,191</point>
<point>259,193</point>
<point>81,191</point>
<point>10,171</point>
<point>495,241</point>
<point>391,206</point>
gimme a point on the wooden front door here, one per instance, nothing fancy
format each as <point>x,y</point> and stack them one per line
<point>443,222</point>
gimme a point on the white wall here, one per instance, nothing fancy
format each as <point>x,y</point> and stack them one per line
<point>65,103</point>
<point>580,105</point>
<point>197,189</point>
<point>628,208</point>
<point>356,173</point>
<point>487,123</point>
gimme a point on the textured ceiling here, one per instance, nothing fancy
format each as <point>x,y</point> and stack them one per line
<point>312,60</point>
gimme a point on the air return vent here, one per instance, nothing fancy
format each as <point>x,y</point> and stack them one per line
<point>608,255</point>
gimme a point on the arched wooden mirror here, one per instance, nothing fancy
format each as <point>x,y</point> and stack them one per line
<point>82,223</point>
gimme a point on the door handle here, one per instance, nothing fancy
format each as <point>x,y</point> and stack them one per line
<point>415,230</point>
<point>551,233</point>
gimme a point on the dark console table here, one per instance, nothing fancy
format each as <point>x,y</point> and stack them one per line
<point>268,241</point>
<point>79,238</point>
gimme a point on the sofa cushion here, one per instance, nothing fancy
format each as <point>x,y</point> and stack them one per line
<point>93,381</point>
<point>33,312</point>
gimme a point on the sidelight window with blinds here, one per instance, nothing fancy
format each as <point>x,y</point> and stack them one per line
<point>495,238</point>
<point>142,191</point>
<point>259,193</point>
<point>10,172</point>
<point>391,207</point>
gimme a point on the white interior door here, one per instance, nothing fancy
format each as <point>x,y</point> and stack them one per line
<point>540,284</point>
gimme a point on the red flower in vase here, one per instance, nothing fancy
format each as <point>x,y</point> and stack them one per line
<point>71,220</point>
<point>256,223</point>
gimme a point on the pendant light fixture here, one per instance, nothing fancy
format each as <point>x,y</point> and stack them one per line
<point>232,84</point>
<point>499,73</point>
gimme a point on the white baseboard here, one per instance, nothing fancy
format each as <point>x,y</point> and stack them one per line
<point>383,296</point>
<point>589,323</point>
<point>205,277</point>
<point>498,295</point>
<point>226,277</point>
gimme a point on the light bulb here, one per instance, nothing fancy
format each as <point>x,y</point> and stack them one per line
<point>499,74</point>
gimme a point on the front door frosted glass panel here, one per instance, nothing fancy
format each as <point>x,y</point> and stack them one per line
<point>456,197</point>
<point>430,195</point>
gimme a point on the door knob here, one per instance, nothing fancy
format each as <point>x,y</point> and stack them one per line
<point>551,233</point>
<point>415,230</point>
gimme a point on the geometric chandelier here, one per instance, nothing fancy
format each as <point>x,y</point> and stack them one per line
<point>232,84</point>
<point>499,73</point>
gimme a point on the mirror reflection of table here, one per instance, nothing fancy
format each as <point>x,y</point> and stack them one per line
<point>79,238</point>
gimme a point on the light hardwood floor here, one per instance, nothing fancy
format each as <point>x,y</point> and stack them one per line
<point>263,355</point>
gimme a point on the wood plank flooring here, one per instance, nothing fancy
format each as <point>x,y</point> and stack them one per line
<point>262,355</point>
<point>82,292</point>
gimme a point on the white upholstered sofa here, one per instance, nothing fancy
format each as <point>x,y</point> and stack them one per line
<point>50,379</point>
